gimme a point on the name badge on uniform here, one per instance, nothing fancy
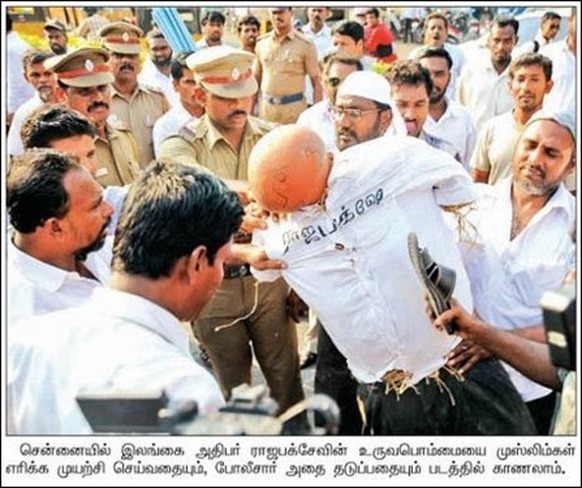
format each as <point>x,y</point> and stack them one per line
<point>101,172</point>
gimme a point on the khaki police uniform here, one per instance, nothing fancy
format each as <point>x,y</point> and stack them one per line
<point>281,67</point>
<point>117,152</point>
<point>140,111</point>
<point>225,71</point>
<point>118,145</point>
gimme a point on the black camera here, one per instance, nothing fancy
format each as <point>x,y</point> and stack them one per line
<point>250,411</point>
<point>559,309</point>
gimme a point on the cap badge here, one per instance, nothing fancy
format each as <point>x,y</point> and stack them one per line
<point>89,66</point>
<point>125,37</point>
<point>235,74</point>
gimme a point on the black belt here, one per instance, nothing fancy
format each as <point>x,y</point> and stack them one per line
<point>285,99</point>
<point>236,271</point>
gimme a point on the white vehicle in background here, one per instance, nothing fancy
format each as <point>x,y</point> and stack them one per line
<point>529,23</point>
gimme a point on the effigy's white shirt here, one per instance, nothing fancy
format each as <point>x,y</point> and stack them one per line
<point>508,277</point>
<point>349,260</point>
<point>116,341</point>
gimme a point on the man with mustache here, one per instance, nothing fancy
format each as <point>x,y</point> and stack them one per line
<point>436,29</point>
<point>133,104</point>
<point>516,245</point>
<point>156,72</point>
<point>411,88</point>
<point>55,34</point>
<point>59,217</point>
<point>242,312</point>
<point>284,57</point>
<point>482,85</point>
<point>86,80</point>
<point>530,79</point>
<point>447,118</point>
<point>248,30</point>
<point>47,91</point>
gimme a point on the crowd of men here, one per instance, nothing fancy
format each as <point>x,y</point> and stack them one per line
<point>154,218</point>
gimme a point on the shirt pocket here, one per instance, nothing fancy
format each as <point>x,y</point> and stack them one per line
<point>291,64</point>
<point>533,282</point>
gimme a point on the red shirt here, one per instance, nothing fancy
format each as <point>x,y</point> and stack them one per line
<point>381,37</point>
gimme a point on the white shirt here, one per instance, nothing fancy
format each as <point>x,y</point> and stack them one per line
<point>15,146</point>
<point>483,91</point>
<point>324,45</point>
<point>117,341</point>
<point>19,91</point>
<point>350,261</point>
<point>319,119</point>
<point>154,78</point>
<point>508,278</point>
<point>562,96</point>
<point>36,288</point>
<point>457,128</point>
<point>169,124</point>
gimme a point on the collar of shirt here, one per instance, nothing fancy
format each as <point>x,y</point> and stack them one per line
<point>41,274</point>
<point>142,312</point>
<point>139,88</point>
<point>325,31</point>
<point>561,200</point>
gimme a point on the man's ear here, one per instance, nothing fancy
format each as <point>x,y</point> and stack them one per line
<point>53,225</point>
<point>197,260</point>
<point>385,120</point>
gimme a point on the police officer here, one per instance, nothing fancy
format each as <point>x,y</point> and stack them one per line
<point>86,81</point>
<point>284,57</point>
<point>242,311</point>
<point>135,105</point>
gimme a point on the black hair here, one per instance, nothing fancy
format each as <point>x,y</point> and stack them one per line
<point>35,190</point>
<point>349,28</point>
<point>53,122</point>
<point>170,210</point>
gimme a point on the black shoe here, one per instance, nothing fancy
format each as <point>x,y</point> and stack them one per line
<point>308,360</point>
<point>438,280</point>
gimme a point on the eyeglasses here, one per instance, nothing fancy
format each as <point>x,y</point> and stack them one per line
<point>333,82</point>
<point>351,113</point>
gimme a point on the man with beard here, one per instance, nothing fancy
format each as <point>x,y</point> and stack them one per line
<point>346,240</point>
<point>59,218</point>
<point>447,118</point>
<point>128,336</point>
<point>86,80</point>
<point>47,91</point>
<point>55,34</point>
<point>530,78</point>
<point>411,87</point>
<point>436,31</point>
<point>156,71</point>
<point>242,312</point>
<point>483,84</point>
<point>336,67</point>
<point>136,106</point>
<point>248,30</point>
<point>516,245</point>
<point>284,57</point>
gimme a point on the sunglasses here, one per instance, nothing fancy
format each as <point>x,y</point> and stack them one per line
<point>333,82</point>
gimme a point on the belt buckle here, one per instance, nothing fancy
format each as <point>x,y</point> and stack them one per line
<point>276,100</point>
